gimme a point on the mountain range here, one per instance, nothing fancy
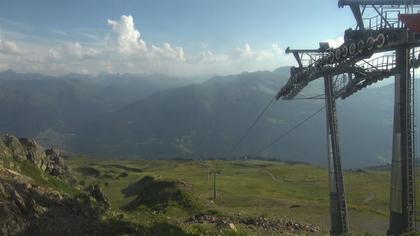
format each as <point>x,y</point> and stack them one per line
<point>156,116</point>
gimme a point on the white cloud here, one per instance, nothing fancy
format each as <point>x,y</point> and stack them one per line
<point>78,51</point>
<point>244,53</point>
<point>277,49</point>
<point>208,56</point>
<point>129,40</point>
<point>55,53</point>
<point>123,50</point>
<point>263,55</point>
<point>168,52</point>
<point>73,51</point>
<point>9,47</point>
<point>248,53</point>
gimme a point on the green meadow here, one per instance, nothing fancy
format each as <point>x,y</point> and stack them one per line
<point>246,188</point>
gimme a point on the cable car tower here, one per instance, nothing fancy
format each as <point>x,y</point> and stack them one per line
<point>379,47</point>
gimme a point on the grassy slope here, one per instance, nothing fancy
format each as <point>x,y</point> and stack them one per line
<point>38,176</point>
<point>252,188</point>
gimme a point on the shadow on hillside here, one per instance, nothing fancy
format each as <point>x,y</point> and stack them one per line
<point>27,209</point>
<point>78,217</point>
<point>158,194</point>
<point>88,171</point>
<point>112,227</point>
<point>126,168</point>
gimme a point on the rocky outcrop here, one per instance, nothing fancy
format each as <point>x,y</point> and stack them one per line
<point>14,149</point>
<point>30,209</point>
<point>36,192</point>
<point>55,166</point>
<point>37,199</point>
<point>96,192</point>
<point>279,225</point>
<point>271,226</point>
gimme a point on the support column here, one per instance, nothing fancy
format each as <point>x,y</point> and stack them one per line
<point>338,206</point>
<point>214,186</point>
<point>402,199</point>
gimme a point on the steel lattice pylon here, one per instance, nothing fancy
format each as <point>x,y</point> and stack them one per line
<point>386,39</point>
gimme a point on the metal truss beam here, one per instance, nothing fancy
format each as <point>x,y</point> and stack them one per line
<point>388,34</point>
<point>358,16</point>
<point>362,77</point>
<point>308,54</point>
<point>342,3</point>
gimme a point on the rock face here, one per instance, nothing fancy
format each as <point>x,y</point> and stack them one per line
<point>30,209</point>
<point>23,149</point>
<point>37,196</point>
<point>96,192</point>
<point>55,166</point>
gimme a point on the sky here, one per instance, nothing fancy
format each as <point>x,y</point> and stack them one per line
<point>176,37</point>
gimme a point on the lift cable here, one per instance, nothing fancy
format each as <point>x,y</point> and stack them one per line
<point>413,55</point>
<point>290,130</point>
<point>246,133</point>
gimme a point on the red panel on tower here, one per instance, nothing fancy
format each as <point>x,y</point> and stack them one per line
<point>412,21</point>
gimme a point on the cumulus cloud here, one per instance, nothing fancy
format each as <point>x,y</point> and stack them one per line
<point>260,55</point>
<point>72,50</point>
<point>55,53</point>
<point>169,52</point>
<point>9,47</point>
<point>123,50</point>
<point>246,52</point>
<point>78,51</point>
<point>129,40</point>
<point>208,56</point>
<point>277,49</point>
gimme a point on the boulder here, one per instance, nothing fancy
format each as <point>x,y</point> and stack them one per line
<point>55,164</point>
<point>232,227</point>
<point>30,209</point>
<point>96,192</point>
<point>221,224</point>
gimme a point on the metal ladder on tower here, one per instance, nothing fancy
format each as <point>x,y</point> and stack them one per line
<point>340,182</point>
<point>411,163</point>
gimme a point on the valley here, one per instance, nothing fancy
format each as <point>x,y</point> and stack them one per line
<point>152,116</point>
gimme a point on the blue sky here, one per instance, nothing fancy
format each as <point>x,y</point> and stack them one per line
<point>184,37</point>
